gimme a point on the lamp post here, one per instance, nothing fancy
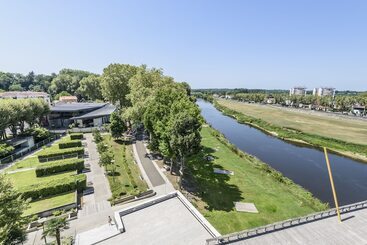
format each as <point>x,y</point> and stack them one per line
<point>114,169</point>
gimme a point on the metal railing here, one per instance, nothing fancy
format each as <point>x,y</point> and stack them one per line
<point>284,224</point>
<point>22,153</point>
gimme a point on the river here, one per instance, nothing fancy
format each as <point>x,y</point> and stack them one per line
<point>305,166</point>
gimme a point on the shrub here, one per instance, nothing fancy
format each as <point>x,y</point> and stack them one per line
<point>97,136</point>
<point>76,136</point>
<point>38,133</point>
<point>54,187</point>
<point>102,147</point>
<point>5,150</point>
<point>70,144</point>
<point>59,166</point>
<point>66,153</point>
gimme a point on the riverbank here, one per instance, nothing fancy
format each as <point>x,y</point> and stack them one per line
<point>351,150</point>
<point>275,196</point>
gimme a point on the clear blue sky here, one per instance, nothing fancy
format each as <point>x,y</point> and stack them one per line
<point>252,44</point>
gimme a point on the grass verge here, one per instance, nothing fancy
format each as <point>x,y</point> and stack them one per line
<point>276,197</point>
<point>126,180</point>
<point>50,202</point>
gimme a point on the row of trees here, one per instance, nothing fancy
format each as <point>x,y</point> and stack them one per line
<point>15,113</point>
<point>164,106</point>
<point>85,85</point>
<point>341,102</point>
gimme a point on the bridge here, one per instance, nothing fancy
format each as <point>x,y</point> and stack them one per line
<point>317,228</point>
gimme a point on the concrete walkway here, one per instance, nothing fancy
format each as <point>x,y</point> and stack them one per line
<point>154,176</point>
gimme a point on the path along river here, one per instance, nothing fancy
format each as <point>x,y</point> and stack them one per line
<point>305,166</point>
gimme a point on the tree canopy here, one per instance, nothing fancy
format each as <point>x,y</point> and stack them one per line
<point>11,209</point>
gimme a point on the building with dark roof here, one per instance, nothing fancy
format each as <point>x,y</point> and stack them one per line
<point>82,114</point>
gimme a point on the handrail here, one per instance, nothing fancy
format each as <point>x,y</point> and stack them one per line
<point>241,235</point>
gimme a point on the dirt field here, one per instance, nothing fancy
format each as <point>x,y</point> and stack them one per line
<point>349,130</point>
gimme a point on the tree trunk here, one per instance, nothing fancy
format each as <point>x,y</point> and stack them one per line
<point>182,168</point>
<point>170,170</point>
<point>58,239</point>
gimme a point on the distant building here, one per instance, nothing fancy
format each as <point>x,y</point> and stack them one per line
<point>324,91</point>
<point>82,114</point>
<point>358,110</point>
<point>297,91</point>
<point>68,99</point>
<point>270,100</point>
<point>26,95</point>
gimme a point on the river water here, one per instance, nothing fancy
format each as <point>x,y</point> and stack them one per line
<point>305,166</point>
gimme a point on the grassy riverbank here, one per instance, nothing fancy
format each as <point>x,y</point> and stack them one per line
<point>276,197</point>
<point>281,126</point>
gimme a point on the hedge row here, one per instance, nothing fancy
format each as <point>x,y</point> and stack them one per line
<point>54,187</point>
<point>5,150</point>
<point>62,152</point>
<point>70,144</point>
<point>77,136</point>
<point>60,166</point>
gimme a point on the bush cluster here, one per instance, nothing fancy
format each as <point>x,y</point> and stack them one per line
<point>70,144</point>
<point>54,187</point>
<point>63,152</point>
<point>38,133</point>
<point>59,166</point>
<point>5,150</point>
<point>76,136</point>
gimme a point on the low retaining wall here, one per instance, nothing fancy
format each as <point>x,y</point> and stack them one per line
<point>140,196</point>
<point>242,235</point>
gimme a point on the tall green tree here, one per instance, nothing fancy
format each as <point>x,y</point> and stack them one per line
<point>54,227</point>
<point>115,83</point>
<point>12,206</point>
<point>183,131</point>
<point>117,125</point>
<point>90,88</point>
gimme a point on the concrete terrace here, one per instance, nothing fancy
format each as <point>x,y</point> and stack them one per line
<point>168,219</point>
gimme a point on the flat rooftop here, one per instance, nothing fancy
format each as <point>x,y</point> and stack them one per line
<point>169,219</point>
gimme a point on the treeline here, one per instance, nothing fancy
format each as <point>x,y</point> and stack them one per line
<point>85,85</point>
<point>340,102</point>
<point>16,113</point>
<point>165,108</point>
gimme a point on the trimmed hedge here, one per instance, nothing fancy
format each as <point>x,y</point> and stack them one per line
<point>54,187</point>
<point>70,144</point>
<point>5,150</point>
<point>77,136</point>
<point>42,157</point>
<point>59,166</point>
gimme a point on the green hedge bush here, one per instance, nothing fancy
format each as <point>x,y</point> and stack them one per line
<point>77,136</point>
<point>59,166</point>
<point>68,152</point>
<point>5,150</point>
<point>70,144</point>
<point>54,187</point>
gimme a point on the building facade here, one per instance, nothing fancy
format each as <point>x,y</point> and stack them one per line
<point>26,95</point>
<point>297,91</point>
<point>324,91</point>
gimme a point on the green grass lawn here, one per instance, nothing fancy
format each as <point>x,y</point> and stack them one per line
<point>127,181</point>
<point>50,202</point>
<point>20,179</point>
<point>216,193</point>
<point>32,161</point>
<point>354,131</point>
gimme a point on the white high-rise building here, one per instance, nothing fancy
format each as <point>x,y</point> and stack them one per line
<point>324,91</point>
<point>297,91</point>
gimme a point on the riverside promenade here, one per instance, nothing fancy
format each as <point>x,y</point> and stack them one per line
<point>318,228</point>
